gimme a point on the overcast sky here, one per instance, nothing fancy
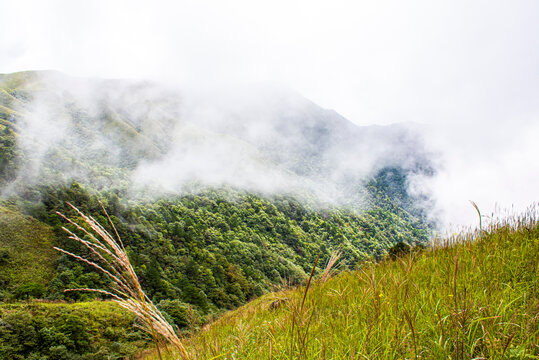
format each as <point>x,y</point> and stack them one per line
<point>467,69</point>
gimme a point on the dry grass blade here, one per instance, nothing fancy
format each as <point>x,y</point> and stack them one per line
<point>309,283</point>
<point>335,256</point>
<point>479,213</point>
<point>126,289</point>
<point>299,317</point>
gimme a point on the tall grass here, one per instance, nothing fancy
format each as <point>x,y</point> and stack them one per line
<point>474,295</point>
<point>111,259</point>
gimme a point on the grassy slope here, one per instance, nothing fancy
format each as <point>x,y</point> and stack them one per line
<point>473,300</point>
<point>26,250</point>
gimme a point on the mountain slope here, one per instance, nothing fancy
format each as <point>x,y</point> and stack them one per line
<point>437,303</point>
<point>140,145</point>
<point>103,132</point>
<point>217,198</point>
<point>26,255</point>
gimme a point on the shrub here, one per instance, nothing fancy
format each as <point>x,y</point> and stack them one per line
<point>29,290</point>
<point>4,256</point>
<point>398,250</point>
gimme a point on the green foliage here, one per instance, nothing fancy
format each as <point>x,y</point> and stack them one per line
<point>96,330</point>
<point>29,290</point>
<point>220,248</point>
<point>10,155</point>
<point>177,312</point>
<point>26,255</point>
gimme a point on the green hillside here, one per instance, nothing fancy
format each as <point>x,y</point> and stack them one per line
<point>473,297</point>
<point>201,246</point>
<point>211,246</point>
<point>218,248</point>
<point>85,330</point>
<point>26,255</point>
<point>469,296</point>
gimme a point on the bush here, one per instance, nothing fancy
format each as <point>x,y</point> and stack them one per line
<point>175,311</point>
<point>30,290</point>
<point>398,250</point>
<point>88,331</point>
<point>4,256</point>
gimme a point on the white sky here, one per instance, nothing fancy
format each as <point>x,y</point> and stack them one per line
<point>469,69</point>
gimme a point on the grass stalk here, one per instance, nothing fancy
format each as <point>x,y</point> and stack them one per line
<point>478,213</point>
<point>298,317</point>
<point>126,289</point>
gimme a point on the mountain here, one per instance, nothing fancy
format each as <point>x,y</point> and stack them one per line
<point>218,196</point>
<point>260,138</point>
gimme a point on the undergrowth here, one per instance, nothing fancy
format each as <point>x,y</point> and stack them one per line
<point>96,330</point>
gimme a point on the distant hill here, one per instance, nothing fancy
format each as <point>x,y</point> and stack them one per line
<point>260,138</point>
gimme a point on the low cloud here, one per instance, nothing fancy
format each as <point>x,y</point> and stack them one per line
<point>466,71</point>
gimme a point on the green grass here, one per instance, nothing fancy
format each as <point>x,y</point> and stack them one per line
<point>474,297</point>
<point>26,254</point>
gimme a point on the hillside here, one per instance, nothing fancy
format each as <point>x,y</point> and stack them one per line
<point>470,296</point>
<point>219,248</point>
<point>84,330</point>
<point>26,255</point>
<point>205,190</point>
<point>218,199</point>
<point>128,135</point>
<point>436,302</point>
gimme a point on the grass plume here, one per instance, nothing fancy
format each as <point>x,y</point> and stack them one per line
<point>112,260</point>
<point>331,265</point>
<point>478,213</point>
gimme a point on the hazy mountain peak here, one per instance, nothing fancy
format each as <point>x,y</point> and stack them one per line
<point>261,137</point>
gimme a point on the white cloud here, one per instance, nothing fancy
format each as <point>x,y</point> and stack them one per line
<point>467,68</point>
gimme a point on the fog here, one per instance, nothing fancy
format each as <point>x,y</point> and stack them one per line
<point>465,71</point>
<point>157,139</point>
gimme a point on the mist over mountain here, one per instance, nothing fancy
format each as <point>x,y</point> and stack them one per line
<point>156,139</point>
<point>236,148</point>
<point>217,195</point>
